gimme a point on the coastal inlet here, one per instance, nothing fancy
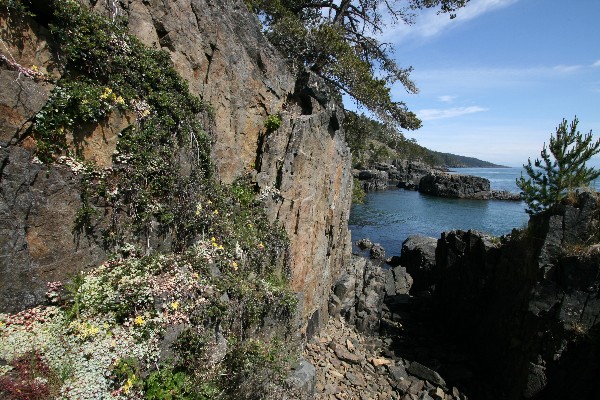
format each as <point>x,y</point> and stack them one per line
<point>388,217</point>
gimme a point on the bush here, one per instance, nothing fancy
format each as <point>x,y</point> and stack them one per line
<point>273,122</point>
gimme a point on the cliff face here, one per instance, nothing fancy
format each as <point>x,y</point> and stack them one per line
<point>528,308</point>
<point>302,168</point>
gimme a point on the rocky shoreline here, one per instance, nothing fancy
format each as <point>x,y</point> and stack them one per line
<point>434,181</point>
<point>469,315</point>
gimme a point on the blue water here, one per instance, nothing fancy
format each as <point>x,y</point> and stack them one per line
<point>389,217</point>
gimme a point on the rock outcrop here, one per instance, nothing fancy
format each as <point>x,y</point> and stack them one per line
<point>418,257</point>
<point>527,306</point>
<point>372,179</point>
<point>462,187</point>
<point>403,174</point>
<point>409,173</point>
<point>302,168</point>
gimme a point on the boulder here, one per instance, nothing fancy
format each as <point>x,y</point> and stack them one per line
<point>418,257</point>
<point>377,252</point>
<point>303,378</point>
<point>421,371</point>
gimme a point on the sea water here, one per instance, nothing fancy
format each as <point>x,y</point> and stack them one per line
<point>389,217</point>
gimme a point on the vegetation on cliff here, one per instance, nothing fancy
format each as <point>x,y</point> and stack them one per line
<point>561,170</point>
<point>372,141</point>
<point>336,39</point>
<point>203,319</point>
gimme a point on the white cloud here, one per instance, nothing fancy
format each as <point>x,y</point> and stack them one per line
<point>596,64</point>
<point>436,113</point>
<point>429,23</point>
<point>567,68</point>
<point>447,98</point>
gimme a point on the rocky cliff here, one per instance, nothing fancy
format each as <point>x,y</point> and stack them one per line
<point>302,169</point>
<point>528,306</point>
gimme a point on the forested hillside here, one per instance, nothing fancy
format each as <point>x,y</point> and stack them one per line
<point>372,141</point>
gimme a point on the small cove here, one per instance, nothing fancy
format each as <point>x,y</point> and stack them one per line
<point>389,217</point>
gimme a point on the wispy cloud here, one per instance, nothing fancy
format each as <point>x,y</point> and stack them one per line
<point>437,113</point>
<point>596,64</point>
<point>429,23</point>
<point>446,98</point>
<point>445,80</point>
<point>567,68</point>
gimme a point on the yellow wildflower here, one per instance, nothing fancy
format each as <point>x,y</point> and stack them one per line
<point>234,265</point>
<point>195,275</point>
<point>139,320</point>
<point>119,100</point>
<point>175,305</point>
<point>35,68</point>
<point>216,212</point>
<point>128,384</point>
<point>261,246</point>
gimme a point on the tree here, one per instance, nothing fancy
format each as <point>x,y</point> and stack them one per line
<point>335,39</point>
<point>560,171</point>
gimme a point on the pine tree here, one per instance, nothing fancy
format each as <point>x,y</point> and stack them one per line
<point>561,170</point>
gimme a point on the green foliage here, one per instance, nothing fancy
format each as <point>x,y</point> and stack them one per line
<point>109,71</point>
<point>168,384</point>
<point>253,368</point>
<point>273,122</point>
<point>228,269</point>
<point>361,131</point>
<point>561,169</point>
<point>14,6</point>
<point>336,39</point>
<point>358,193</point>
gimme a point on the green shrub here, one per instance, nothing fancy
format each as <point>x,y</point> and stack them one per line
<point>273,122</point>
<point>359,195</point>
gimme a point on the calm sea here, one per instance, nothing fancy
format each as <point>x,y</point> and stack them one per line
<point>389,217</point>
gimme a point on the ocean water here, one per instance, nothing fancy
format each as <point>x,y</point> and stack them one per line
<point>389,217</point>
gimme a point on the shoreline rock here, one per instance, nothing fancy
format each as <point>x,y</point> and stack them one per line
<point>462,187</point>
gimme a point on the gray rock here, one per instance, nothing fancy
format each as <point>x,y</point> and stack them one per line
<point>355,379</point>
<point>536,381</point>
<point>377,252</point>
<point>303,377</point>
<point>462,187</point>
<point>421,371</point>
<point>343,354</point>
<point>390,283</point>
<point>364,244</point>
<point>402,280</point>
<point>418,257</point>
<point>397,372</point>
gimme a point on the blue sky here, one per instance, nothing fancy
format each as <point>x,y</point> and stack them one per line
<point>497,80</point>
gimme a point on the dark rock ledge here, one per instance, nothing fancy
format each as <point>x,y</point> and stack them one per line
<point>462,187</point>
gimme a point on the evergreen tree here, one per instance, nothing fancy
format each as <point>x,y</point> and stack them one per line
<point>336,40</point>
<point>561,170</point>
